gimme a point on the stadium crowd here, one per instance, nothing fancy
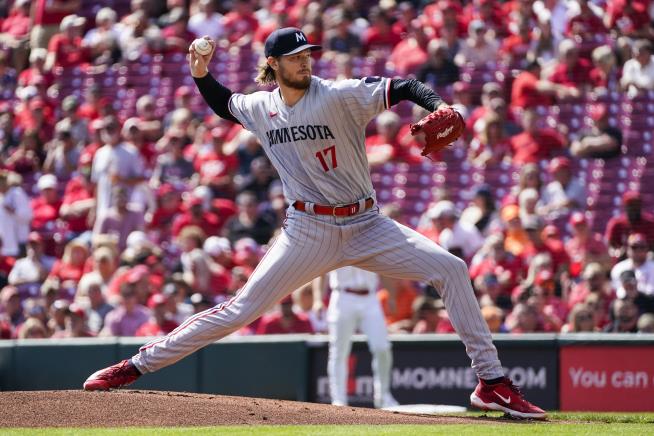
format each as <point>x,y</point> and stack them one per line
<point>119,222</point>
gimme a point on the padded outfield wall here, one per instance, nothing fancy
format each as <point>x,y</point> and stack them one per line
<point>569,372</point>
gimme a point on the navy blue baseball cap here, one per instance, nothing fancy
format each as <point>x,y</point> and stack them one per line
<point>287,41</point>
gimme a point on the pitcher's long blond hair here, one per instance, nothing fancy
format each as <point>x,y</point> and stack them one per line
<point>266,75</point>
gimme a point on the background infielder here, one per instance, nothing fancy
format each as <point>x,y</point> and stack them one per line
<point>353,305</point>
<point>313,132</point>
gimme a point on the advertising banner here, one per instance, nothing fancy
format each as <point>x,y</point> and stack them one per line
<point>437,372</point>
<point>607,378</point>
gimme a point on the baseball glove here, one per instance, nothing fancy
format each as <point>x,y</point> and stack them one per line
<point>441,128</point>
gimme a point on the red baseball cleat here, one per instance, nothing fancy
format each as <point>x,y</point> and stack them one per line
<point>115,376</point>
<point>505,397</point>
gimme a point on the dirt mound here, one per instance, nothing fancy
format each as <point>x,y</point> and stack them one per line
<point>155,408</point>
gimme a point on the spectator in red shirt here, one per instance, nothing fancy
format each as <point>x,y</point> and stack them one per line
<point>195,215</point>
<point>47,16</point>
<point>489,91</point>
<point>176,34</point>
<point>14,32</point>
<point>534,143</point>
<point>410,53</point>
<point>93,101</point>
<point>488,12</point>
<point>533,225</point>
<point>515,47</point>
<point>594,282</point>
<point>6,264</point>
<point>571,70</point>
<point>493,258</point>
<point>585,25</point>
<point>46,205</point>
<point>36,69</point>
<point>384,146</point>
<point>36,116</point>
<point>160,323</point>
<point>65,48</point>
<point>629,18</point>
<point>168,207</point>
<point>530,90</point>
<point>216,168</point>
<point>552,311</point>
<point>444,14</point>
<point>219,254</point>
<point>285,321</point>
<point>70,268</point>
<point>491,147</point>
<point>585,246</point>
<point>240,23</point>
<point>633,220</point>
<point>79,200</point>
<point>380,38</point>
<point>25,159</point>
<point>195,262</point>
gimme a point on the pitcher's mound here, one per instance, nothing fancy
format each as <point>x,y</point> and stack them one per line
<point>154,408</point>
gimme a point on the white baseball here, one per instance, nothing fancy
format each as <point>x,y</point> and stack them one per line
<point>202,46</point>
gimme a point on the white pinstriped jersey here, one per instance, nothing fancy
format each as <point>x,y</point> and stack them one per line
<point>318,145</point>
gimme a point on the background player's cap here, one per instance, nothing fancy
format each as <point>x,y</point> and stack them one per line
<point>287,41</point>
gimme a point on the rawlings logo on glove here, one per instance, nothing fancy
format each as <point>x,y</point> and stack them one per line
<point>441,128</point>
<point>445,132</point>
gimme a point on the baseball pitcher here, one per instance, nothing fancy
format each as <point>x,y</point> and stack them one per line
<point>313,132</point>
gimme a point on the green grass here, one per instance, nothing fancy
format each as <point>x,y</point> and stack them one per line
<point>559,423</point>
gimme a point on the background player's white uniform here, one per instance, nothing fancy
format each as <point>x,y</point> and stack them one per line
<point>318,149</point>
<point>348,312</point>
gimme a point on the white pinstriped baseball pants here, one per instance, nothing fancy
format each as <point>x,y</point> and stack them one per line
<point>312,245</point>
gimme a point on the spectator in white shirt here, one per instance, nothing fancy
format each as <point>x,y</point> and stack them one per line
<point>638,72</point>
<point>637,260</point>
<point>478,49</point>
<point>102,40</point>
<point>34,267</point>
<point>455,236</point>
<point>15,215</point>
<point>564,193</point>
<point>207,21</point>
<point>115,164</point>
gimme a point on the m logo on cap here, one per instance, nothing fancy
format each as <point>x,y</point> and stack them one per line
<point>299,37</point>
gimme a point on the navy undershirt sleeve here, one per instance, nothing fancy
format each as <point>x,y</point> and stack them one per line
<point>415,91</point>
<point>216,95</point>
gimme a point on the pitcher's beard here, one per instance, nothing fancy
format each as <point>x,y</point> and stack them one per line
<point>301,84</point>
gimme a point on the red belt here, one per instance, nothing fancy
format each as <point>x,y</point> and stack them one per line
<point>357,291</point>
<point>344,210</point>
